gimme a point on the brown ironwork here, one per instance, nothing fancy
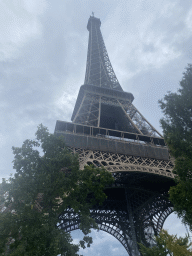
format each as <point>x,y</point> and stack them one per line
<point>108,131</point>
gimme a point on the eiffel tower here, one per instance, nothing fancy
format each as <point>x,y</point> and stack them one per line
<point>108,130</point>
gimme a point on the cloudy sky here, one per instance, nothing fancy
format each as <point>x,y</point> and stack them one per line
<point>43,47</point>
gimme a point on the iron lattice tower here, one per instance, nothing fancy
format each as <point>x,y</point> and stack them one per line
<point>107,130</point>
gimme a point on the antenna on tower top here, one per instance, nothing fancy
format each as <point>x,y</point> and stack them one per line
<point>93,14</point>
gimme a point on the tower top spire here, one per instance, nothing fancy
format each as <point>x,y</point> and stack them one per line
<point>92,22</point>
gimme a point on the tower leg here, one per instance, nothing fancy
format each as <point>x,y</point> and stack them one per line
<point>135,251</point>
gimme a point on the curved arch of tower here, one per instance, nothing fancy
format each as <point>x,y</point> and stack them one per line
<point>108,131</point>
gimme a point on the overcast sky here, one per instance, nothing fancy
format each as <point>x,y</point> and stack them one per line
<point>43,48</point>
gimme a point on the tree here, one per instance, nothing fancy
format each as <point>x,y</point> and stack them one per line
<point>46,183</point>
<point>168,245</point>
<point>177,129</point>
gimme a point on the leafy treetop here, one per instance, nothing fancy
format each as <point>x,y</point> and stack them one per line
<point>47,182</point>
<point>177,128</point>
<point>168,245</point>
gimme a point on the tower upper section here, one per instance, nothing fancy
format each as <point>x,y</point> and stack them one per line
<point>104,118</point>
<point>101,101</point>
<point>99,71</point>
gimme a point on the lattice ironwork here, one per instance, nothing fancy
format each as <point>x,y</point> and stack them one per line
<point>108,131</point>
<point>118,215</point>
<point>99,71</point>
<point>93,105</point>
<point>124,163</point>
<point>89,111</point>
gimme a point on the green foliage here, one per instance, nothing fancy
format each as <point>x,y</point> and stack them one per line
<point>177,123</point>
<point>44,185</point>
<point>168,245</point>
<point>177,128</point>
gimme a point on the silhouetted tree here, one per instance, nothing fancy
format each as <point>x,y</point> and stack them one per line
<point>177,129</point>
<point>46,183</point>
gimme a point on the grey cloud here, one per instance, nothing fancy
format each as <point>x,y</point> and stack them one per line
<point>40,78</point>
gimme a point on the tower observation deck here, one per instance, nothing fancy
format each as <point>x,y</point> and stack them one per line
<point>108,130</point>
